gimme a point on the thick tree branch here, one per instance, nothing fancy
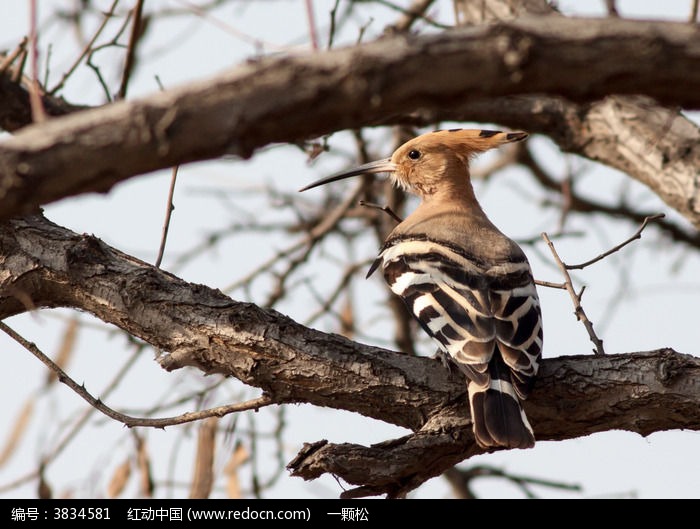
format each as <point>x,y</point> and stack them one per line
<point>637,392</point>
<point>49,266</point>
<point>44,265</point>
<point>295,97</point>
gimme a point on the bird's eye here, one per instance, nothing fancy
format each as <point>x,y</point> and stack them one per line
<point>414,154</point>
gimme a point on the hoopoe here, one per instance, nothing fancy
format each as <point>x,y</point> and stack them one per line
<point>469,286</point>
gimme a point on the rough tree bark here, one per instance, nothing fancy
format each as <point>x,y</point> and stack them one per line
<point>45,265</point>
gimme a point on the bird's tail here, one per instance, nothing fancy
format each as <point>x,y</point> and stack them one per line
<point>497,414</point>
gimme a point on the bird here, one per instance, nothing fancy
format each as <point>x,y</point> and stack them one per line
<point>469,286</point>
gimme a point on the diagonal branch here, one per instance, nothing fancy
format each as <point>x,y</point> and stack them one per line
<point>637,235</point>
<point>127,420</point>
<point>575,298</point>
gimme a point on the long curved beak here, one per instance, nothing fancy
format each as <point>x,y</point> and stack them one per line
<point>380,166</point>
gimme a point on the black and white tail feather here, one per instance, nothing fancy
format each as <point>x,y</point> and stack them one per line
<point>485,316</point>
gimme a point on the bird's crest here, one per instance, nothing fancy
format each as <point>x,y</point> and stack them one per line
<point>468,141</point>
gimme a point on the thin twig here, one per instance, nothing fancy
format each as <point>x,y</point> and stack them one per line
<point>219,411</point>
<point>462,479</point>
<point>312,24</point>
<point>331,31</point>
<point>131,49</point>
<point>637,235</point>
<point>529,241</point>
<point>612,9</point>
<point>10,58</point>
<point>342,285</point>
<point>202,12</point>
<point>410,14</point>
<point>308,242</point>
<point>113,42</point>
<point>561,286</point>
<point>582,204</point>
<point>576,298</point>
<point>75,429</point>
<point>168,213</point>
<point>82,421</point>
<point>385,209</point>
<point>35,102</point>
<point>47,66</point>
<point>87,48</point>
<point>693,12</point>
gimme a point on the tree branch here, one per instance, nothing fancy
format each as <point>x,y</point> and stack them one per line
<point>127,420</point>
<point>265,101</point>
<point>199,326</point>
<point>576,298</point>
<point>637,392</point>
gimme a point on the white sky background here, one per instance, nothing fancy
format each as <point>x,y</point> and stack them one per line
<point>656,309</point>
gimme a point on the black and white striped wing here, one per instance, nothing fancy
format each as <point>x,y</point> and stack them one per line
<point>466,304</point>
<point>516,309</point>
<point>485,317</point>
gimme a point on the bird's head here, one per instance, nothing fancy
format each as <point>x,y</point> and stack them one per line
<point>425,163</point>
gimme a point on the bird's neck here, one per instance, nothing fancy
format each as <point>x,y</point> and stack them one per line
<point>456,193</point>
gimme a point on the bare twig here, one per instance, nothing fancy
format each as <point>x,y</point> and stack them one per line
<point>280,448</point>
<point>612,9</point>
<point>342,285</point>
<point>331,31</point>
<point>528,241</point>
<point>77,426</point>
<point>168,212</point>
<point>410,14</point>
<point>415,11</point>
<point>219,411</point>
<point>385,209</point>
<point>566,193</point>
<point>576,298</point>
<point>461,480</point>
<point>637,235</point>
<point>203,12</point>
<point>82,421</point>
<point>131,49</point>
<point>107,15</point>
<point>113,42</point>
<point>19,69</point>
<point>11,57</point>
<point>38,112</point>
<point>693,12</point>
<point>582,204</point>
<point>312,24</point>
<point>307,243</point>
<point>548,284</point>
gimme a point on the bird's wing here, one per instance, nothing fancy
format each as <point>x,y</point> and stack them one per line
<point>447,296</point>
<point>470,308</point>
<point>516,308</point>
